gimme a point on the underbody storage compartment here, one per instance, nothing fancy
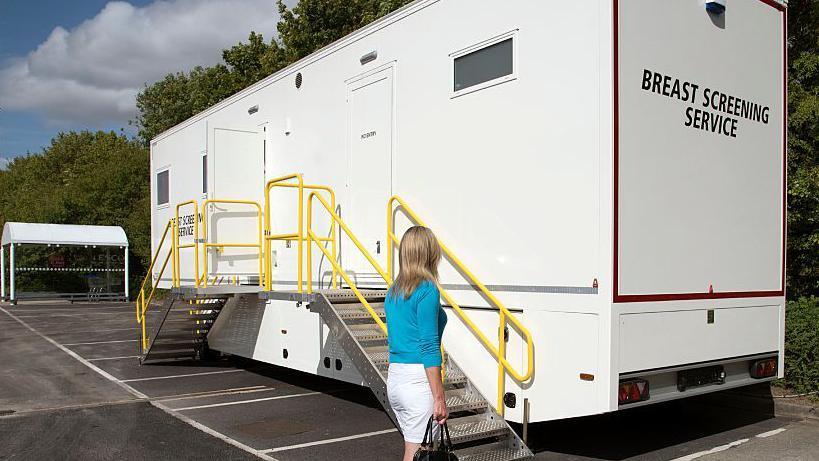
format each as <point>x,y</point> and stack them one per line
<point>652,340</point>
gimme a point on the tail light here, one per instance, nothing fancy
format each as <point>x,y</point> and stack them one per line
<point>633,390</point>
<point>765,368</point>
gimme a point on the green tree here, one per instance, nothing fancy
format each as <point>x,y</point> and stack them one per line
<point>803,156</point>
<point>83,178</point>
<point>303,29</point>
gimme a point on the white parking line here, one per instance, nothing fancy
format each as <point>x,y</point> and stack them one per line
<point>216,393</point>
<point>326,441</point>
<point>102,342</point>
<point>122,357</point>
<point>711,451</point>
<point>180,376</point>
<point>241,402</point>
<point>765,435</point>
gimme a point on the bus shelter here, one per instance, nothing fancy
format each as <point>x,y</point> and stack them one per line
<point>52,238</point>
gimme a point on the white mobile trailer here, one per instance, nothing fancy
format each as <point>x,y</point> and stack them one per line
<point>613,170</point>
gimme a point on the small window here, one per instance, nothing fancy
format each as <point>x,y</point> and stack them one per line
<point>204,173</point>
<point>485,65</point>
<point>163,188</point>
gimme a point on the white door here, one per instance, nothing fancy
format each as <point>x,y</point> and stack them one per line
<point>237,159</point>
<point>370,102</point>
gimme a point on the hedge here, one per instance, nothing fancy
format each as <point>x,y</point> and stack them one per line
<point>802,345</point>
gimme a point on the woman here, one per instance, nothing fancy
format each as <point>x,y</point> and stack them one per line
<point>415,322</point>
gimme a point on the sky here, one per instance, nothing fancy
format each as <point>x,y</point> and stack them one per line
<point>74,65</point>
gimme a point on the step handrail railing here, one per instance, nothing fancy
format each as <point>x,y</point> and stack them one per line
<point>299,236</point>
<point>143,302</point>
<point>259,244</point>
<point>505,315</point>
<point>177,276</point>
<point>311,237</point>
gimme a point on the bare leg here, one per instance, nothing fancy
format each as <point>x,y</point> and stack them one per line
<point>409,450</point>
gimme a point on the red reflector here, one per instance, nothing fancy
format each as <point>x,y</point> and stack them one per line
<point>765,368</point>
<point>633,390</point>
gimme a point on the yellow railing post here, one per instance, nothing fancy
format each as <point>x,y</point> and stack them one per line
<point>300,236</point>
<point>505,315</point>
<point>259,245</point>
<point>195,245</point>
<point>313,238</point>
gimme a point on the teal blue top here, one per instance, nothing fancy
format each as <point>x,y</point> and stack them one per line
<point>415,326</point>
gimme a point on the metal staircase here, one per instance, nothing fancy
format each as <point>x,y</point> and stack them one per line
<point>478,432</point>
<point>180,331</point>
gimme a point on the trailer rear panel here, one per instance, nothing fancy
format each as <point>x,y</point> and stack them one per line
<point>699,150</point>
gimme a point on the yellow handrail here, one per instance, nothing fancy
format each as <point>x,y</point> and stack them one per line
<point>504,314</point>
<point>258,245</point>
<point>142,303</point>
<point>299,236</point>
<point>177,277</point>
<point>311,237</point>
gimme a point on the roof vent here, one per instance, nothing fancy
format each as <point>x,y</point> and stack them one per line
<point>299,80</point>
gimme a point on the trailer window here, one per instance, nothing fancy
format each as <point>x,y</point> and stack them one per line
<point>485,66</point>
<point>163,187</point>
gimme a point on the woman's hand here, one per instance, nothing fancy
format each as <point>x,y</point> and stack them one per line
<point>439,411</point>
<point>436,385</point>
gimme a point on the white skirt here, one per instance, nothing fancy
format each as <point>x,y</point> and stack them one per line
<point>411,399</point>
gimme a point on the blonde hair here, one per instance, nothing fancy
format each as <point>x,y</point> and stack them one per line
<point>418,257</point>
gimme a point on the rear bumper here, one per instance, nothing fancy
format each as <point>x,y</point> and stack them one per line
<point>663,381</point>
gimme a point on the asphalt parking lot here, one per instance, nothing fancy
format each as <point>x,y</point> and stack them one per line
<point>71,387</point>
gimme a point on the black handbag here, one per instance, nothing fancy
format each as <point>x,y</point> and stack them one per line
<point>430,451</point>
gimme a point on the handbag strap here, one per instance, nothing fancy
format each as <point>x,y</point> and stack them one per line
<point>428,433</point>
<point>445,440</point>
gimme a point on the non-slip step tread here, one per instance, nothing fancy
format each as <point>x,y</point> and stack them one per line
<point>357,311</point>
<point>344,295</point>
<point>475,428</point>
<point>367,332</point>
<point>463,400</point>
<point>497,454</point>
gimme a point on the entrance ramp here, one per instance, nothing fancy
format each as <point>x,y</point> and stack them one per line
<point>478,432</point>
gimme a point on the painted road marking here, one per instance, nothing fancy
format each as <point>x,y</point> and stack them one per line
<point>154,378</point>
<point>142,396</point>
<point>114,358</point>
<point>241,402</point>
<point>73,354</point>
<point>712,451</point>
<point>102,342</point>
<point>216,393</point>
<point>326,441</point>
<point>765,435</point>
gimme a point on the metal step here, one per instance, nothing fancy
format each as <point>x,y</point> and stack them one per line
<point>481,435</point>
<point>475,427</point>
<point>167,355</point>
<point>344,295</point>
<point>357,311</point>
<point>175,345</point>
<point>464,400</point>
<point>495,452</point>
<point>367,332</point>
<point>379,355</point>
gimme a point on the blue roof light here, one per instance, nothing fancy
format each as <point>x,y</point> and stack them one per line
<point>715,6</point>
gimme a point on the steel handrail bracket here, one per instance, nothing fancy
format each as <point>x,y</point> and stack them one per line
<point>299,236</point>
<point>143,302</point>
<point>259,244</point>
<point>505,316</point>
<point>311,237</point>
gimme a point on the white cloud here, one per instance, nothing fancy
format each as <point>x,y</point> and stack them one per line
<point>91,74</point>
